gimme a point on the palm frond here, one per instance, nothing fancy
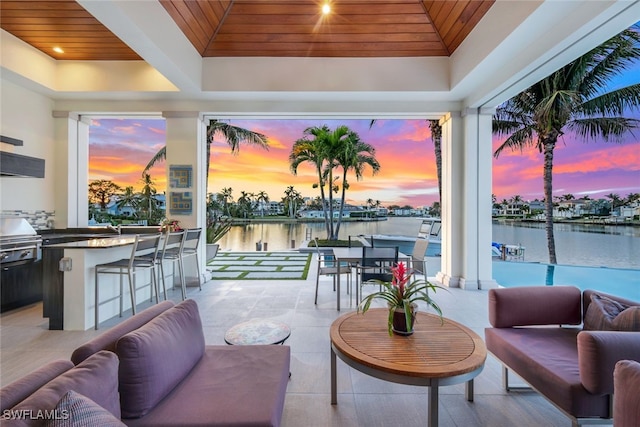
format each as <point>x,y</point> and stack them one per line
<point>235,135</point>
<point>160,156</point>
<point>607,128</point>
<point>613,103</point>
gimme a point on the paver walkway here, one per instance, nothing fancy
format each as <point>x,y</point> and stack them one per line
<point>260,265</point>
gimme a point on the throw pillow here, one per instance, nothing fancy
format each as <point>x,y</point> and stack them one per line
<point>628,320</point>
<point>76,410</point>
<point>601,313</point>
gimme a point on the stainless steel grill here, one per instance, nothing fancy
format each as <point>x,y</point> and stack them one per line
<point>19,242</point>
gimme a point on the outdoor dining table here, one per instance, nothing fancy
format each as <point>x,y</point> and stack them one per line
<point>352,256</point>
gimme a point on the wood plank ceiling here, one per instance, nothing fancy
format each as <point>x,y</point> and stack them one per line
<point>275,28</point>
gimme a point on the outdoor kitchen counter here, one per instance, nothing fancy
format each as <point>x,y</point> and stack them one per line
<point>96,243</point>
<point>69,281</point>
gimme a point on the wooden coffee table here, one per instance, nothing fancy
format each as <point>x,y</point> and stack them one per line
<point>435,355</point>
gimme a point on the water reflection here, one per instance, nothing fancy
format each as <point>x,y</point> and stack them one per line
<point>610,246</point>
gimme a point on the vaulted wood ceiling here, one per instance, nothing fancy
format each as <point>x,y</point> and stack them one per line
<point>275,28</point>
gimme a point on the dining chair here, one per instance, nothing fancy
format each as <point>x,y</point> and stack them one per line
<point>375,265</point>
<point>190,249</point>
<point>143,256</point>
<point>328,266</point>
<point>418,262</point>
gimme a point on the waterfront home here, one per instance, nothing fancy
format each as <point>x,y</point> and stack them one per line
<point>452,61</point>
<point>485,53</point>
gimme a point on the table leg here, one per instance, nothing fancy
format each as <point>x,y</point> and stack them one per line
<point>338,290</point>
<point>432,395</point>
<point>468,389</point>
<point>334,385</point>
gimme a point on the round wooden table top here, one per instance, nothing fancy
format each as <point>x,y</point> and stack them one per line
<point>435,350</point>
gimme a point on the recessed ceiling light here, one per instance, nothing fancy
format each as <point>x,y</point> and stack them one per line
<point>326,9</point>
<point>58,49</point>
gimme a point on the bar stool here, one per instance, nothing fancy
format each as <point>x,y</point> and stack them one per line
<point>143,254</point>
<point>191,244</point>
<point>172,251</point>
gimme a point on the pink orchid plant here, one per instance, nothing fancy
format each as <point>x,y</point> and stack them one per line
<point>402,293</point>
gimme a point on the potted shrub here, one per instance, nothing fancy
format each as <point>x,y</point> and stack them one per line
<point>401,295</point>
<point>217,227</point>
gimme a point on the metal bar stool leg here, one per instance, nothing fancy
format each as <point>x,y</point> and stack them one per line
<point>121,293</point>
<point>97,297</point>
<point>198,272</point>
<point>132,290</point>
<point>183,282</point>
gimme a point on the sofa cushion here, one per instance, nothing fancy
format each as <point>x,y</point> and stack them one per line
<point>588,293</point>
<point>17,391</point>
<point>107,340</point>
<point>95,378</point>
<point>76,410</point>
<point>534,305</point>
<point>601,313</point>
<point>157,356</point>
<point>628,320</point>
<point>230,386</point>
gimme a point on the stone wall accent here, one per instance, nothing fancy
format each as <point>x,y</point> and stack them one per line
<point>39,220</point>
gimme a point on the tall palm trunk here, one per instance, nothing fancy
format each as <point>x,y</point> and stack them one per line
<point>330,231</point>
<point>324,207</point>
<point>549,144</point>
<point>206,183</point>
<point>344,189</point>
<point>436,135</point>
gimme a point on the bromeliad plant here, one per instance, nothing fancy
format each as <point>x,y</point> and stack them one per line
<point>402,293</point>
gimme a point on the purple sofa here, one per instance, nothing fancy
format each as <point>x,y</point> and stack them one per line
<point>154,369</point>
<point>626,396</point>
<point>537,333</point>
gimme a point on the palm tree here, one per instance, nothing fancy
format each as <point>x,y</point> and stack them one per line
<point>632,198</point>
<point>128,198</point>
<point>310,150</point>
<point>436,136</point>
<point>245,203</point>
<point>353,154</point>
<point>334,143</point>
<point>327,150</point>
<point>615,201</point>
<point>262,198</point>
<point>574,98</point>
<point>226,197</point>
<point>148,200</point>
<point>234,135</point>
<point>291,200</point>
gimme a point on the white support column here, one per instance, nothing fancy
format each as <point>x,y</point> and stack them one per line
<point>484,190</point>
<point>186,146</point>
<point>451,201</point>
<point>71,171</point>
<point>466,200</point>
<point>470,199</point>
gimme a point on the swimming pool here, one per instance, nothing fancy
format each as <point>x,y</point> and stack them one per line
<point>616,281</point>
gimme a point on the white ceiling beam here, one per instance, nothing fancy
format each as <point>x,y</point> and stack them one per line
<point>147,28</point>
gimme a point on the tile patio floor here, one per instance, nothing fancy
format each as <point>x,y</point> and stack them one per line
<point>26,343</point>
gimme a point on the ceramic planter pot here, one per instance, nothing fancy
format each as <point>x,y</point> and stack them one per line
<point>212,251</point>
<point>399,326</point>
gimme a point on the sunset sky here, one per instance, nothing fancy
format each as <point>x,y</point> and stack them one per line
<point>119,150</point>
